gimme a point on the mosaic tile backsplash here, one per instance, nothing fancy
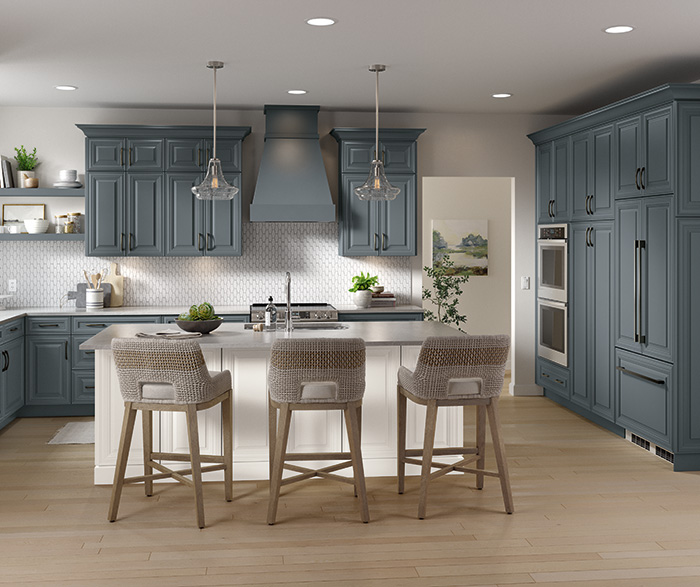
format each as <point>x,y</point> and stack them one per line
<point>45,271</point>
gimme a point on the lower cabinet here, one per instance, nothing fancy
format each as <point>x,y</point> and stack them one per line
<point>11,379</point>
<point>48,370</point>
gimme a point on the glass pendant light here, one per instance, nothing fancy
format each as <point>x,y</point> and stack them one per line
<point>377,186</point>
<point>214,186</point>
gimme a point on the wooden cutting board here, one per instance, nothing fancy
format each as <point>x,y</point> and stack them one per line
<point>117,282</point>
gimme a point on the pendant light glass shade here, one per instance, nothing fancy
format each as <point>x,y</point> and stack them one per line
<point>377,186</point>
<point>214,186</point>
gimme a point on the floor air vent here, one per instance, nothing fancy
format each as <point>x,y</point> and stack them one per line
<point>649,446</point>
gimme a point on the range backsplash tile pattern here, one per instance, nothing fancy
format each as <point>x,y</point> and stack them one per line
<point>46,270</point>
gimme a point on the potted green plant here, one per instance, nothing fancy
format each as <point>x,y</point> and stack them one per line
<point>26,162</point>
<point>361,289</point>
<point>445,292</point>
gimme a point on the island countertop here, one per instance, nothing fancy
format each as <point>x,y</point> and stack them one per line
<point>236,336</point>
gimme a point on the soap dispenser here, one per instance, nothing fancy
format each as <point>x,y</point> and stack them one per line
<point>270,316</point>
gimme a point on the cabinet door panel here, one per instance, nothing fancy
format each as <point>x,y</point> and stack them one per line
<point>48,370</point>
<point>145,214</point>
<point>561,179</point>
<point>358,223</point>
<point>223,235</point>
<point>579,312</point>
<point>145,154</point>
<point>688,195</point>
<point>601,319</point>
<point>12,380</point>
<point>83,387</point>
<point>626,233</point>
<point>228,152</point>
<point>657,177</point>
<point>602,173</point>
<point>627,158</point>
<point>657,272</point>
<point>399,156</point>
<point>580,173</point>
<point>544,181</point>
<point>105,154</point>
<point>356,157</point>
<point>185,155</point>
<point>184,225</point>
<point>398,219</point>
<point>105,214</point>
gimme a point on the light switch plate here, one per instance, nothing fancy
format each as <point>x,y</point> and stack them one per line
<point>524,282</point>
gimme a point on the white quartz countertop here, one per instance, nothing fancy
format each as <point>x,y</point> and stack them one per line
<point>11,314</point>
<point>235,336</point>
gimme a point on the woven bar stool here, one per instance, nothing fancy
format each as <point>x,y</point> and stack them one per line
<point>455,371</point>
<point>170,375</point>
<point>316,374</point>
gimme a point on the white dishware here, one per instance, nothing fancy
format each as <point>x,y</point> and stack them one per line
<point>67,184</point>
<point>15,228</point>
<point>36,225</point>
<point>68,175</point>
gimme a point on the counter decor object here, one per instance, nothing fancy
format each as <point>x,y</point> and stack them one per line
<point>200,318</point>
<point>26,162</point>
<point>36,225</point>
<point>3,300</point>
<point>68,178</point>
<point>94,298</point>
<point>117,284</point>
<point>361,289</point>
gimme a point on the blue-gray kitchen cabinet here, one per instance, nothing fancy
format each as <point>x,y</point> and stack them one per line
<point>592,174</point>
<point>11,369</point>
<point>644,245</point>
<point>553,181</point>
<point>643,157</point>
<point>118,153</point>
<point>193,154</point>
<point>48,369</point>
<point>591,313</point>
<point>688,196</point>
<point>196,227</point>
<point>377,228</point>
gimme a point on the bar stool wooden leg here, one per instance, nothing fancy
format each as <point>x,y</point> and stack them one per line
<point>282,428</point>
<point>495,424</point>
<point>122,458</point>
<point>271,433</point>
<point>147,421</point>
<point>400,439</point>
<point>480,443</point>
<point>428,444</point>
<point>193,437</point>
<point>353,427</point>
<point>227,421</point>
<point>359,433</point>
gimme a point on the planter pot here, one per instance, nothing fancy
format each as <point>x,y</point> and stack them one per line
<point>362,298</point>
<point>22,175</point>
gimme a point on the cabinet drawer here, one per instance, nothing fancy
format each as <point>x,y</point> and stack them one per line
<point>553,378</point>
<point>48,324</point>
<point>94,324</point>
<point>644,388</point>
<point>11,330</point>
<point>83,389</point>
<point>82,359</point>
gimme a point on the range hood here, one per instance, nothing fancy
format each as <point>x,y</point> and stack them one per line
<point>292,184</point>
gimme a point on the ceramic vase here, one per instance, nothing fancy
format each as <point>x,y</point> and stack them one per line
<point>362,298</point>
<point>22,175</point>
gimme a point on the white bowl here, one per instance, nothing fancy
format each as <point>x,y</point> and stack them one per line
<point>36,226</point>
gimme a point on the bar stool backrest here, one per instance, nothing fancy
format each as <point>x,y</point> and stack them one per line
<point>445,358</point>
<point>149,362</point>
<point>297,361</point>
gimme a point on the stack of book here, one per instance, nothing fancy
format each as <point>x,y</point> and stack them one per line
<point>383,300</point>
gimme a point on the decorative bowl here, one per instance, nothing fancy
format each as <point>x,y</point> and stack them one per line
<point>203,326</point>
<point>378,289</point>
<point>36,225</point>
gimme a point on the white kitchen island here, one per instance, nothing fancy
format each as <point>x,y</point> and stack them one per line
<point>246,354</point>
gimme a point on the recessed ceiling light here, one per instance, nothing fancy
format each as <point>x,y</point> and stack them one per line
<point>296,92</point>
<point>66,88</point>
<point>502,95</point>
<point>619,29</point>
<point>320,21</point>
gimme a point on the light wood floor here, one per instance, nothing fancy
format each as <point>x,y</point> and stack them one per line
<point>591,510</point>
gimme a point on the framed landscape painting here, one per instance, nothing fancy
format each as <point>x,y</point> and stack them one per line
<point>465,242</point>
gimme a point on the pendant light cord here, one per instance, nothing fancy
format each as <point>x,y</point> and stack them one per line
<point>214,149</point>
<point>376,118</point>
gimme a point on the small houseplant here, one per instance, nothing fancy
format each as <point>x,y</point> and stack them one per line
<point>26,162</point>
<point>361,289</point>
<point>445,292</point>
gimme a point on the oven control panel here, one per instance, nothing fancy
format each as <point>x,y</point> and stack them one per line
<point>552,232</point>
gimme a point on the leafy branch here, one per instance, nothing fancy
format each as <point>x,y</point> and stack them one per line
<point>445,293</point>
<point>25,161</point>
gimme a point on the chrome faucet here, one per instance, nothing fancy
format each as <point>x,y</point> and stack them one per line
<point>288,327</point>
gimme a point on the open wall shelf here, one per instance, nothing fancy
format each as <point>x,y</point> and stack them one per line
<point>43,192</point>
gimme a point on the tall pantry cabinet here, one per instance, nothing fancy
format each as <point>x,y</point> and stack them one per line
<point>631,192</point>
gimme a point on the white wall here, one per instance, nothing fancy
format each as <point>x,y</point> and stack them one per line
<point>485,300</point>
<point>470,145</point>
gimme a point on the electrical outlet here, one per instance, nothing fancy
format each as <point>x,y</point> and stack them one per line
<point>524,282</point>
<point>12,285</point>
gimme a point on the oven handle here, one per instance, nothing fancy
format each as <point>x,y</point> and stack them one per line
<point>552,241</point>
<point>546,302</point>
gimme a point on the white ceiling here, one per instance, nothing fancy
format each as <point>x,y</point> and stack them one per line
<point>441,55</point>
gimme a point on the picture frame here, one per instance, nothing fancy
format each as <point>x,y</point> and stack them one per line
<point>16,214</point>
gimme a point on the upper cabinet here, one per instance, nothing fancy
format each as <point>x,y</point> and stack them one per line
<point>377,228</point>
<point>553,172</point>
<point>139,200</point>
<point>643,154</point>
<point>592,174</point>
